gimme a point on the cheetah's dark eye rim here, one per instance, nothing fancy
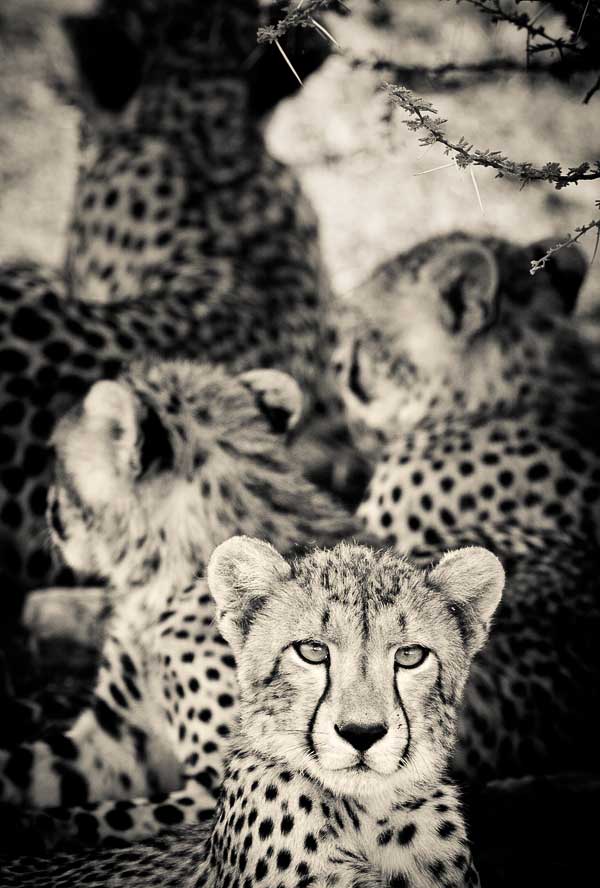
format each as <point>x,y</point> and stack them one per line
<point>410,656</point>
<point>314,652</point>
<point>355,382</point>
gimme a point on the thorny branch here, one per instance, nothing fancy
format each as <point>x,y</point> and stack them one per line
<point>538,264</point>
<point>522,21</point>
<point>424,117</point>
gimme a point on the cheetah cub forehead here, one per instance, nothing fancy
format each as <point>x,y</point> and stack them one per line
<point>352,662</point>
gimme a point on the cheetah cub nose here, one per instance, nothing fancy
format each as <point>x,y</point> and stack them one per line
<point>361,737</point>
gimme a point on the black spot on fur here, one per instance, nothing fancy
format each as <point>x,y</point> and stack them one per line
<point>73,786</point>
<point>446,829</point>
<point>119,819</point>
<point>287,824</point>
<point>63,746</point>
<point>406,834</point>
<point>109,720</point>
<point>169,815</point>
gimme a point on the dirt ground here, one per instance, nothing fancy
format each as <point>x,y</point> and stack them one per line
<point>370,187</point>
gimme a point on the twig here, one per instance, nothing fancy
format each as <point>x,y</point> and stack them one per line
<point>424,117</point>
<point>301,16</point>
<point>538,264</point>
<point>521,21</point>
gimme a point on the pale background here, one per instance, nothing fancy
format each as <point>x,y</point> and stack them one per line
<point>371,202</point>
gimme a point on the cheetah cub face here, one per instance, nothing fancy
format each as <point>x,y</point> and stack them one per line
<point>438,330</point>
<point>153,467</point>
<point>351,662</point>
<point>413,322</point>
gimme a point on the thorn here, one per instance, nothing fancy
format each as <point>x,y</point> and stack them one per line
<point>576,37</point>
<point>293,70</point>
<point>444,166</point>
<point>324,31</point>
<point>476,187</point>
<point>539,14</point>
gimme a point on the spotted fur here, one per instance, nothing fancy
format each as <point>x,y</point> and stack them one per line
<point>153,471</point>
<point>306,798</point>
<point>188,240</point>
<point>474,395</point>
<point>470,388</point>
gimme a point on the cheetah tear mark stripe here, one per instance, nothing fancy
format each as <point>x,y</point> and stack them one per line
<point>313,718</point>
<point>405,752</point>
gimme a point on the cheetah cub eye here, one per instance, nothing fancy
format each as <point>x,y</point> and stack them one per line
<point>312,651</point>
<point>410,656</point>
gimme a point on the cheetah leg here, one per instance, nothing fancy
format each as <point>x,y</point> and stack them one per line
<point>77,614</point>
<point>129,822</point>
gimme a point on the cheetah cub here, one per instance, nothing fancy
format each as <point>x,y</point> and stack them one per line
<point>351,665</point>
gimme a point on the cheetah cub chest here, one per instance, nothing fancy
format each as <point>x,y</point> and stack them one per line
<point>351,665</point>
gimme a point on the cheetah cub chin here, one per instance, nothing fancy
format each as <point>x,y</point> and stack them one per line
<point>351,665</point>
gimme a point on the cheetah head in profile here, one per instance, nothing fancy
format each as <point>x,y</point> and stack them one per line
<point>352,662</point>
<point>433,329</point>
<point>154,469</point>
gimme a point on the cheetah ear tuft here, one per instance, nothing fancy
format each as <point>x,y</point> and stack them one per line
<point>465,275</point>
<point>473,580</point>
<point>110,409</point>
<point>241,574</point>
<point>110,63</point>
<point>278,396</point>
<point>566,269</point>
<point>136,438</point>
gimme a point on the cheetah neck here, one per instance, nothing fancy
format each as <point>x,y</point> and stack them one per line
<point>494,381</point>
<point>316,832</point>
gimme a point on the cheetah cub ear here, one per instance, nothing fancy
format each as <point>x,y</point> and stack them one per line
<point>125,433</point>
<point>472,579</point>
<point>278,396</point>
<point>242,574</point>
<point>109,415</point>
<point>465,276</point>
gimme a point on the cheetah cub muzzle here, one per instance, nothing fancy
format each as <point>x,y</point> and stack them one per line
<point>351,665</point>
